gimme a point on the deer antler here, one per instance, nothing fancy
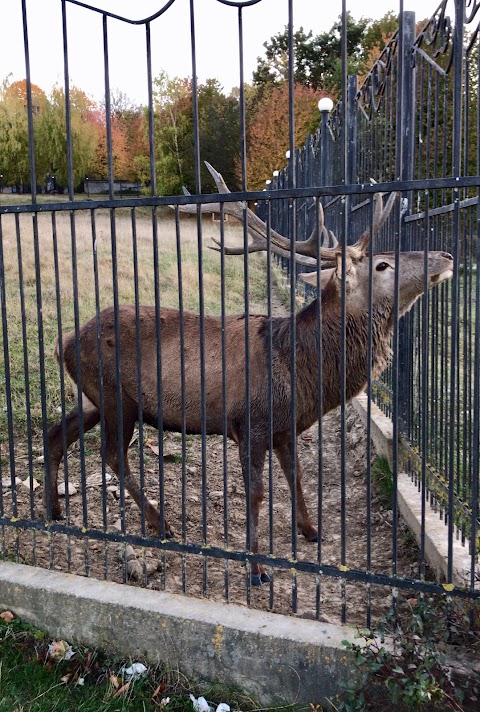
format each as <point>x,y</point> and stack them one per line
<point>380,216</point>
<point>307,252</point>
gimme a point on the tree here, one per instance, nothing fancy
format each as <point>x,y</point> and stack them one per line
<point>173,133</point>
<point>317,60</point>
<point>130,121</point>
<point>99,166</point>
<point>218,129</point>
<point>269,130</point>
<point>51,136</point>
<point>14,156</point>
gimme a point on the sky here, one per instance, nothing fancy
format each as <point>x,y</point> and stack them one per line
<point>216,33</point>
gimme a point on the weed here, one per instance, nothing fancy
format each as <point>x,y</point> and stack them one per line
<point>383,479</point>
<point>411,671</point>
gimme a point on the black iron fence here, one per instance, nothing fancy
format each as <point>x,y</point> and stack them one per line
<point>414,121</point>
<point>206,384</point>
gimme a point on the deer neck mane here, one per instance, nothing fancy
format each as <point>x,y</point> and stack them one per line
<point>357,329</point>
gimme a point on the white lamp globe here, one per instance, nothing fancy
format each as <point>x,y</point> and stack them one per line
<point>325,104</point>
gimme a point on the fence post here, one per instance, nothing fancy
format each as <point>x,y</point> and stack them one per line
<point>405,171</point>
<point>324,148</point>
<point>352,90</point>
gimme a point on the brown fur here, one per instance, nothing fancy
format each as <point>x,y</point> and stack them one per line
<point>306,347</point>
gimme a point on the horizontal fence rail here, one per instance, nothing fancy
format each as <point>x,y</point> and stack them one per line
<point>196,402</point>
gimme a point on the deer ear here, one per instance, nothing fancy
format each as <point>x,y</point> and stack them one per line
<point>309,278</point>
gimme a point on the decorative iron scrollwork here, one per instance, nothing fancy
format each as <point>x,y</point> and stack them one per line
<point>335,121</point>
<point>373,88</point>
<point>471,9</point>
<point>437,35</point>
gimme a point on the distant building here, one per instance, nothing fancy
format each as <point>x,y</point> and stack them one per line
<point>123,187</point>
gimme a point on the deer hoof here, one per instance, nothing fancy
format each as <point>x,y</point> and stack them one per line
<point>310,536</point>
<point>258,579</point>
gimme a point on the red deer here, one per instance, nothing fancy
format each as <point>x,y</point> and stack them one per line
<point>356,276</point>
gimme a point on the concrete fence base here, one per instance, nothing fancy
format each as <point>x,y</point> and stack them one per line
<point>274,658</point>
<point>410,505</point>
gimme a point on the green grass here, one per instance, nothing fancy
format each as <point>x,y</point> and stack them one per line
<point>30,681</point>
<point>40,278</point>
<point>383,480</point>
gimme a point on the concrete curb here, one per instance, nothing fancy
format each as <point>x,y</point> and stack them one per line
<point>409,504</point>
<point>276,659</point>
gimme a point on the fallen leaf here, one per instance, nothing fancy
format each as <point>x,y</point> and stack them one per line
<point>7,616</point>
<point>159,689</point>
<point>122,690</point>
<point>200,704</point>
<point>135,671</point>
<point>65,678</point>
<point>115,681</point>
<point>153,448</point>
<point>35,483</point>
<point>60,650</point>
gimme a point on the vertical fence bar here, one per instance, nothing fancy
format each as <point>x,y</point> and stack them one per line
<point>36,246</point>
<point>345,162</point>
<point>201,296</point>
<point>456,168</point>
<point>293,274</point>
<point>98,333</point>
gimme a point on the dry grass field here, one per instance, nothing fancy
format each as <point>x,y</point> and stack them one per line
<point>90,250</point>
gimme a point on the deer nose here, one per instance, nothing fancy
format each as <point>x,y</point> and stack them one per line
<point>447,256</point>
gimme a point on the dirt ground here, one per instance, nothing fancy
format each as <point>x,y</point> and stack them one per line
<point>177,572</point>
<point>99,560</point>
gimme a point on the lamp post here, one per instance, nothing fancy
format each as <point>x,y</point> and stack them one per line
<point>325,105</point>
<point>88,188</point>
<point>1,183</point>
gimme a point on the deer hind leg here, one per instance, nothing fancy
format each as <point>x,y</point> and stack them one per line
<point>113,458</point>
<point>257,460</point>
<point>304,523</point>
<point>55,452</point>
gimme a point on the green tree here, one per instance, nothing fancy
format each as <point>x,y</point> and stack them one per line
<point>317,59</point>
<point>173,134</point>
<point>14,147</point>
<point>218,128</point>
<point>219,131</point>
<point>51,135</point>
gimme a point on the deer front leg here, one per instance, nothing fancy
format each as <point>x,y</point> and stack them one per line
<point>257,460</point>
<point>304,523</point>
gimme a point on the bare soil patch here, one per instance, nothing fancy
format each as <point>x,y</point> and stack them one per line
<point>97,510</point>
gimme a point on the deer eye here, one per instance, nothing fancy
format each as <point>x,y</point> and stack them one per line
<point>382,266</point>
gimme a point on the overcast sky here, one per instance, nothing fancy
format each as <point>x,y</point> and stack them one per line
<point>216,27</point>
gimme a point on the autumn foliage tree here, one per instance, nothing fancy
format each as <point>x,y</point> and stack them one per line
<point>99,165</point>
<point>269,130</point>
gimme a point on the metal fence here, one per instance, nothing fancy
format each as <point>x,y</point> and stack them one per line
<point>414,121</point>
<point>410,127</point>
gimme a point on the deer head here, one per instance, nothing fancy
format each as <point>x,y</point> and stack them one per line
<point>327,255</point>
